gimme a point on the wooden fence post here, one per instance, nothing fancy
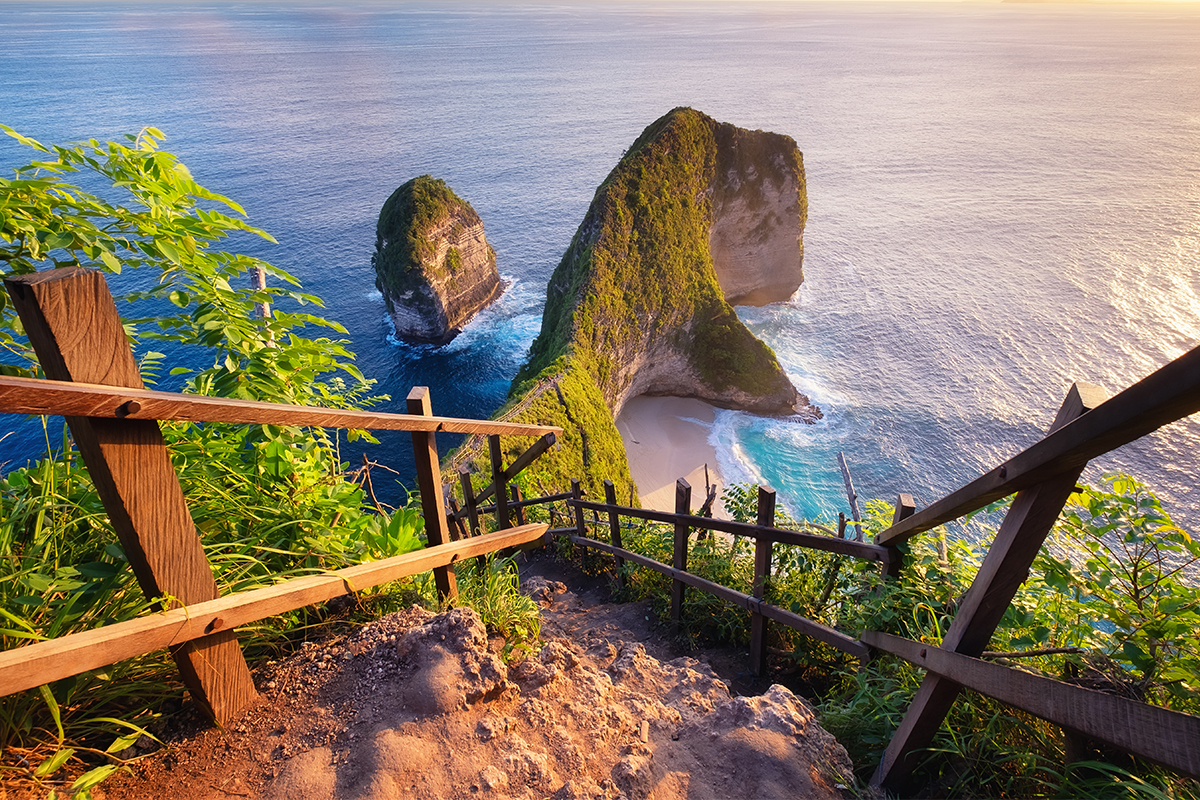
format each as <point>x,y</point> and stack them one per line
<point>76,332</point>
<point>905,508</point>
<point>762,571</point>
<point>499,483</point>
<point>464,478</point>
<point>683,505</point>
<point>519,509</point>
<point>577,493</point>
<point>614,529</point>
<point>1005,567</point>
<point>429,480</point>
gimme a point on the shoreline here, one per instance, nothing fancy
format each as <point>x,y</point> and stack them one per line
<point>666,438</point>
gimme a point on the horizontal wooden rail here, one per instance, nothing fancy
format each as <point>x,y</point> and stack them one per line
<point>531,501</point>
<point>35,664</point>
<point>1156,734</point>
<point>1165,396</point>
<point>824,633</point>
<point>832,544</point>
<point>38,396</point>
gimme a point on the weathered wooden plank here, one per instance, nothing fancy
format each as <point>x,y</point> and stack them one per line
<point>683,508</point>
<point>1167,395</point>
<point>1156,734</point>
<point>1004,568</point>
<point>88,399</point>
<point>831,544</point>
<point>576,500</point>
<point>429,481</point>
<point>614,529</point>
<point>34,664</point>
<point>762,572</point>
<point>74,327</point>
<point>824,633</point>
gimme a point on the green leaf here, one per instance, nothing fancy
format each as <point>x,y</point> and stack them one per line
<point>110,261</point>
<point>54,763</point>
<point>93,777</point>
<point>179,298</point>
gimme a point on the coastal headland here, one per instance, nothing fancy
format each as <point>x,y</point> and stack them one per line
<point>696,213</point>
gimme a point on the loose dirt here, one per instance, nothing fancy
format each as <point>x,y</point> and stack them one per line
<point>419,705</point>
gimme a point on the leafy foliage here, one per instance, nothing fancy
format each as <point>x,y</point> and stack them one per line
<point>1114,587</point>
<point>269,502</point>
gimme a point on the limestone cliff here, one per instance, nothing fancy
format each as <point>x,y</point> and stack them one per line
<point>696,214</point>
<point>432,261</point>
<point>639,300</point>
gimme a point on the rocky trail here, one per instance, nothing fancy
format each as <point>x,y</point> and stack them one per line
<point>419,705</point>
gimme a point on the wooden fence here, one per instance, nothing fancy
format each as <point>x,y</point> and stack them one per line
<point>73,325</point>
<point>1043,476</point>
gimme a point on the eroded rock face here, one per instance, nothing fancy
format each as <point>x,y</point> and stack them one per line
<point>759,209</point>
<point>432,261</point>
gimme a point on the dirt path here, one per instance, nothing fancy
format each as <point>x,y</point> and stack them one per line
<point>420,705</point>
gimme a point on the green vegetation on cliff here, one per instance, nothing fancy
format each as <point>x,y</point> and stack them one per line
<point>638,279</point>
<point>403,249</point>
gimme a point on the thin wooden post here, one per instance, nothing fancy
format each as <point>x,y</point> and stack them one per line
<point>683,505</point>
<point>464,478</point>
<point>429,480</point>
<point>454,520</point>
<point>905,508</point>
<point>577,493</point>
<point>614,529</point>
<point>1005,568</point>
<point>74,327</point>
<point>499,483</point>
<point>851,496</point>
<point>520,510</point>
<point>762,572</point>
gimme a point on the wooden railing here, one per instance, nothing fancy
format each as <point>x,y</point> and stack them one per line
<point>1043,477</point>
<point>73,325</point>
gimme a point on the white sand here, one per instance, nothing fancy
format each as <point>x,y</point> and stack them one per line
<point>663,442</point>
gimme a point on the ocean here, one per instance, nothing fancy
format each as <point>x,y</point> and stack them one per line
<point>1004,197</point>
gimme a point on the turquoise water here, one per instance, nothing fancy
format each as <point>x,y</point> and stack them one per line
<point>1003,197</point>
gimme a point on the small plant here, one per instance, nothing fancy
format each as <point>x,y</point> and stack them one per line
<point>492,589</point>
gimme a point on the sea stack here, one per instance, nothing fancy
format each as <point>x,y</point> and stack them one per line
<point>697,215</point>
<point>433,264</point>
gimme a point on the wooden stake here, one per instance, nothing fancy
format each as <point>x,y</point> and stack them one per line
<point>429,480</point>
<point>683,505</point>
<point>1004,569</point>
<point>76,332</point>
<point>499,483</point>
<point>762,572</point>
<point>614,529</point>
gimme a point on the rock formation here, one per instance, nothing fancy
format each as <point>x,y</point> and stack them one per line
<point>697,214</point>
<point>432,261</point>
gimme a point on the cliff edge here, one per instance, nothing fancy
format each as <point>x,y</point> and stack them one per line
<point>696,215</point>
<point>432,262</point>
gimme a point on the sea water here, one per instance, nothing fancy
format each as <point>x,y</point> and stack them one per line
<point>1004,198</point>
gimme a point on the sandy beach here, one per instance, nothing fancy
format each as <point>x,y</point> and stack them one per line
<point>664,441</point>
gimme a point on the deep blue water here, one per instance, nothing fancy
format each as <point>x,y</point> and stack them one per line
<point>1003,197</point>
